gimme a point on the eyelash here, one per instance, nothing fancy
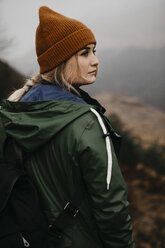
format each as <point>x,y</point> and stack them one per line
<point>85,53</point>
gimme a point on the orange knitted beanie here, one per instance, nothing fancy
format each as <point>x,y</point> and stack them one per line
<point>58,38</point>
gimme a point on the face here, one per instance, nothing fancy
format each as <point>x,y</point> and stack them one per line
<point>82,68</point>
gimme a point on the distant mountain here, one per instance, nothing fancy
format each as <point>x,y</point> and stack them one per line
<point>144,122</point>
<point>134,71</point>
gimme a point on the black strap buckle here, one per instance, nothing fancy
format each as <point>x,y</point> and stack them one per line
<point>72,209</point>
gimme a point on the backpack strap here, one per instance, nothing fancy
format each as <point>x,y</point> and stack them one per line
<point>70,211</point>
<point>13,153</point>
<point>10,171</point>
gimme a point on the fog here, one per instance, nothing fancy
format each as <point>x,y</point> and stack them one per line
<point>117,24</point>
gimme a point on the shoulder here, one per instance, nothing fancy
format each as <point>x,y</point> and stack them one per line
<point>87,124</point>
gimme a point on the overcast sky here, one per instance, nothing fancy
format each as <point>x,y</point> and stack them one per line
<point>116,24</point>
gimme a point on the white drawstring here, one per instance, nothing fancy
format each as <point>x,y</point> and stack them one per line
<point>108,147</point>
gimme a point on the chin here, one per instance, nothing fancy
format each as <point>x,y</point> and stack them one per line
<point>90,81</point>
<point>87,82</point>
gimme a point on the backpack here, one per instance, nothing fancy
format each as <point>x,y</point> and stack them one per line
<point>22,222</point>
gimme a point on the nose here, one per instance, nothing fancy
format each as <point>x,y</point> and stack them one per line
<point>94,61</point>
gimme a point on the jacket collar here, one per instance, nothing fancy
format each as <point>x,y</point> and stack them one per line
<point>83,95</point>
<point>88,99</point>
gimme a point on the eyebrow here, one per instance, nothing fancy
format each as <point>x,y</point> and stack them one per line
<point>85,48</point>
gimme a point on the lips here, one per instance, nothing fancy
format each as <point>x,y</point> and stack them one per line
<point>92,72</point>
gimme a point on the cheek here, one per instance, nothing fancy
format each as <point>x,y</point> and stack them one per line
<point>83,66</point>
<point>71,69</point>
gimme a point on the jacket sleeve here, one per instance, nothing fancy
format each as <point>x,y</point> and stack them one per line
<point>109,204</point>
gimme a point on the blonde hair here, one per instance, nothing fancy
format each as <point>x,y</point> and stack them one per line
<point>58,75</point>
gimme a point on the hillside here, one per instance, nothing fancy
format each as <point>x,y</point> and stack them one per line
<point>143,121</point>
<point>146,195</point>
<point>10,79</point>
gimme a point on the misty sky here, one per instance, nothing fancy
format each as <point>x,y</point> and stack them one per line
<point>116,24</point>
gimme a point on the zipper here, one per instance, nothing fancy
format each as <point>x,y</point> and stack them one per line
<point>25,242</point>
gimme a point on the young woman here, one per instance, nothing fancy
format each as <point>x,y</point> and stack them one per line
<point>72,147</point>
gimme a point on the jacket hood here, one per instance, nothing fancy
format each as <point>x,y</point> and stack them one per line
<point>32,124</point>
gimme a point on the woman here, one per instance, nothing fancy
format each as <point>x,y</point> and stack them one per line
<point>71,143</point>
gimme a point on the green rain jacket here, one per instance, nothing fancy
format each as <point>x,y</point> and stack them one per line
<point>67,146</point>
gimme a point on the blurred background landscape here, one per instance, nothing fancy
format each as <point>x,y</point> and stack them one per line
<point>130,85</point>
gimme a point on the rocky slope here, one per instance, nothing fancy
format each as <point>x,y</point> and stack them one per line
<point>147,198</point>
<point>143,121</point>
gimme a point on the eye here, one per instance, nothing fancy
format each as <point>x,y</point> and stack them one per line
<point>94,51</point>
<point>85,53</point>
